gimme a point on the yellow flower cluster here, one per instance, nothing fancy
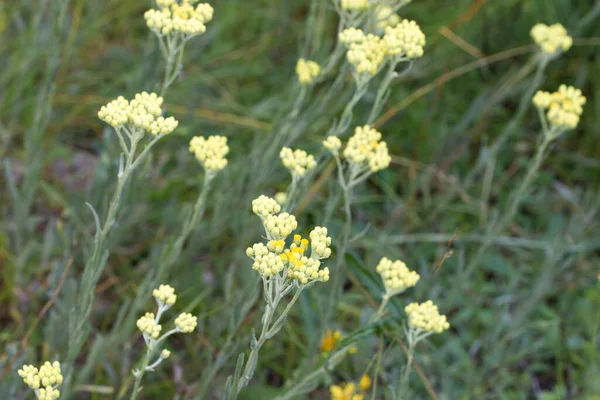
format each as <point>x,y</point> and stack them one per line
<point>404,40</point>
<point>179,17</point>
<point>43,381</point>
<point>551,38</point>
<point>320,242</point>
<point>345,391</point>
<point>329,340</point>
<point>263,206</point>
<point>186,322</point>
<point>333,144</point>
<point>564,106</point>
<point>386,17</point>
<point>266,262</point>
<point>355,4</point>
<point>165,294</point>
<point>366,149</point>
<point>307,71</point>
<point>301,268</point>
<point>366,55</point>
<point>164,354</point>
<point>351,35</point>
<point>143,112</point>
<point>148,326</point>
<point>298,162</point>
<point>280,226</point>
<point>281,198</point>
<point>425,316</point>
<point>210,152</point>
<point>396,276</point>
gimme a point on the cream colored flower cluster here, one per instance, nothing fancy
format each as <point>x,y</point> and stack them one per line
<point>43,381</point>
<point>179,17</point>
<point>165,294</point>
<point>396,276</point>
<point>333,144</point>
<point>366,150</point>
<point>564,106</point>
<point>404,40</point>
<point>551,39</point>
<point>298,162</point>
<point>210,152</point>
<point>366,53</point>
<point>307,71</point>
<point>272,259</point>
<point>186,322</point>
<point>386,17</point>
<point>143,112</point>
<point>149,326</point>
<point>354,4</point>
<point>426,317</point>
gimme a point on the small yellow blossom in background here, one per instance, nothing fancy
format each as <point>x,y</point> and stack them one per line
<point>551,39</point>
<point>405,40</point>
<point>281,198</point>
<point>165,354</point>
<point>354,4</point>
<point>426,317</point>
<point>298,162</point>
<point>307,71</point>
<point>386,17</point>
<point>365,382</point>
<point>366,149</point>
<point>333,144</point>
<point>329,340</point>
<point>44,381</point>
<point>165,294</point>
<point>368,55</point>
<point>396,276</point>
<point>148,326</point>
<point>345,391</point>
<point>143,112</point>
<point>186,323</point>
<point>320,243</point>
<point>210,152</point>
<point>564,106</point>
<point>179,18</point>
<point>263,206</point>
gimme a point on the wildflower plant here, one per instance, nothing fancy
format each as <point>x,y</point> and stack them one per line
<point>396,279</point>
<point>283,269</point>
<point>149,325</point>
<point>174,23</point>
<point>43,381</point>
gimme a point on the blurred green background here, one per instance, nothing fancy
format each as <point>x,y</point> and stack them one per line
<point>525,324</point>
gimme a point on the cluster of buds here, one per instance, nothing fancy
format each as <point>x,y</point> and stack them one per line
<point>551,39</point>
<point>354,5</point>
<point>274,260</point>
<point>404,40</point>
<point>386,17</point>
<point>396,276</point>
<point>307,71</point>
<point>351,391</point>
<point>174,17</point>
<point>298,162</point>
<point>426,317</point>
<point>210,152</point>
<point>143,112</point>
<point>44,381</point>
<point>564,107</point>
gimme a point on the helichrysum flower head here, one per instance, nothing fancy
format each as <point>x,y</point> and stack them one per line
<point>307,71</point>
<point>367,56</point>
<point>165,294</point>
<point>266,262</point>
<point>179,17</point>
<point>329,340</point>
<point>386,17</point>
<point>396,276</point>
<point>345,391</point>
<point>564,107</point>
<point>425,316</point>
<point>298,162</point>
<point>333,144</point>
<point>148,326</point>
<point>365,382</point>
<point>320,242</point>
<point>352,35</point>
<point>143,112</point>
<point>281,198</point>
<point>210,152</point>
<point>404,40</point>
<point>551,39</point>
<point>355,4</point>
<point>263,206</point>
<point>44,381</point>
<point>366,149</point>
<point>186,323</point>
<point>280,226</point>
<point>165,354</point>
